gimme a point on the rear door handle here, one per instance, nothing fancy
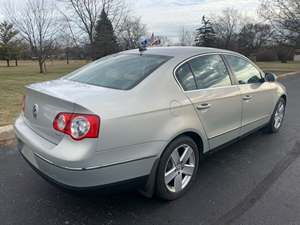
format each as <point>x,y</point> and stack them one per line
<point>203,106</point>
<point>247,97</point>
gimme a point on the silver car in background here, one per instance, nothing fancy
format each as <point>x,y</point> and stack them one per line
<point>145,117</point>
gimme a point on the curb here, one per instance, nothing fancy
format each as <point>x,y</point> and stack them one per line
<point>288,74</point>
<point>7,135</point>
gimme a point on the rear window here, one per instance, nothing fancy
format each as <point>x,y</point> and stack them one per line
<point>119,71</point>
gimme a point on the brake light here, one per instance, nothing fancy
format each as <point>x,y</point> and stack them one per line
<point>78,126</point>
<point>23,103</point>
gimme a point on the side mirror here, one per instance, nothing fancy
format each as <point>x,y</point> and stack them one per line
<point>270,77</point>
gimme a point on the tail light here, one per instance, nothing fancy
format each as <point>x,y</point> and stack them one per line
<point>78,126</point>
<point>23,103</point>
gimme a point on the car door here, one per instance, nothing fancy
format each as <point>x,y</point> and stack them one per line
<point>256,95</point>
<point>207,83</point>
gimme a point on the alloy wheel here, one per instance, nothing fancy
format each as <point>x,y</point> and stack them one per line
<point>180,168</point>
<point>279,114</point>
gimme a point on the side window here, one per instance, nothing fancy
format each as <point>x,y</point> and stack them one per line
<point>244,71</point>
<point>210,71</point>
<point>186,78</point>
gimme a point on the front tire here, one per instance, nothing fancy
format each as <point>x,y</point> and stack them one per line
<point>177,168</point>
<point>277,117</point>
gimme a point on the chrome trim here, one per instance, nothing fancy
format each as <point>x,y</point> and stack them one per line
<point>254,121</point>
<point>226,132</point>
<point>212,88</point>
<point>92,167</point>
<point>241,127</point>
<point>247,97</point>
<point>203,106</point>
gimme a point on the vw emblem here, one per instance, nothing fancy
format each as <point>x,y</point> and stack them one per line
<point>35,111</point>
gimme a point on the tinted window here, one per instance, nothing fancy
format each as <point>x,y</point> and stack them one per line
<point>244,71</point>
<point>120,71</point>
<point>210,71</point>
<point>186,78</point>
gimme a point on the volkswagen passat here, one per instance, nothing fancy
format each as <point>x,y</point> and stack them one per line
<point>145,117</point>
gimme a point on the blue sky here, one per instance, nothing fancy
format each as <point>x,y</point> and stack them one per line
<point>168,17</point>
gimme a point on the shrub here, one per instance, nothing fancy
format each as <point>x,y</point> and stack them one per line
<point>266,55</point>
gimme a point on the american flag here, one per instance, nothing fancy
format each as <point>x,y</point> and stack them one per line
<point>154,41</point>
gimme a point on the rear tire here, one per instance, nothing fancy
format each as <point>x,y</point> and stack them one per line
<point>177,168</point>
<point>277,117</point>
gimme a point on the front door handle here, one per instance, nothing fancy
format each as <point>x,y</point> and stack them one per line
<point>203,106</point>
<point>247,97</point>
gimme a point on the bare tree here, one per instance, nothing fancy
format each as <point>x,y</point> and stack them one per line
<point>132,30</point>
<point>164,40</point>
<point>65,43</point>
<point>84,14</point>
<point>186,38</point>
<point>226,26</point>
<point>66,29</point>
<point>37,24</point>
<point>253,37</point>
<point>284,16</point>
<point>118,12</point>
<point>68,38</point>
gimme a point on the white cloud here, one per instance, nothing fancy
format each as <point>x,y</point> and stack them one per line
<point>167,17</point>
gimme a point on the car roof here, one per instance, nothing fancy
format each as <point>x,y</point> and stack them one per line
<point>179,52</point>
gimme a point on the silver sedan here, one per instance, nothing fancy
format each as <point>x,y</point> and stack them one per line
<point>145,118</point>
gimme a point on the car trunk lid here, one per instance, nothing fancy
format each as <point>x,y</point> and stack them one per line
<point>53,97</point>
<point>40,110</point>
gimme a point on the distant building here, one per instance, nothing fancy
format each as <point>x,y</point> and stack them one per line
<point>297,55</point>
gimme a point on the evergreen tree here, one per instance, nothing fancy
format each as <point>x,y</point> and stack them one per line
<point>105,41</point>
<point>205,34</point>
<point>8,47</point>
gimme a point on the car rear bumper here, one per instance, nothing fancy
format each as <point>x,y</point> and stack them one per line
<point>138,182</point>
<point>30,144</point>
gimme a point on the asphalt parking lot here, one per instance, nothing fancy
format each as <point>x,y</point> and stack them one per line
<point>254,181</point>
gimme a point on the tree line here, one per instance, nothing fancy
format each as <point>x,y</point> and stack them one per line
<point>91,29</point>
<point>275,38</point>
<point>88,29</point>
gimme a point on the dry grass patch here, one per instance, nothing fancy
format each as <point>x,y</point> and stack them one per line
<point>13,80</point>
<point>280,68</point>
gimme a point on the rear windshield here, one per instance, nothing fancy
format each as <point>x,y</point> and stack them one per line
<point>119,71</point>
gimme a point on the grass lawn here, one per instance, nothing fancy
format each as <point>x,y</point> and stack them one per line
<point>13,80</point>
<point>279,68</point>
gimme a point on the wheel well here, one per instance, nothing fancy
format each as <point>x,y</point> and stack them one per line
<point>284,97</point>
<point>196,138</point>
